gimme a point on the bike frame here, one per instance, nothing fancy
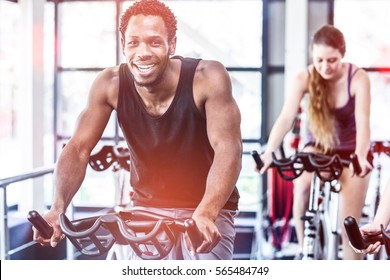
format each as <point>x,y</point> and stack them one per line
<point>322,230</point>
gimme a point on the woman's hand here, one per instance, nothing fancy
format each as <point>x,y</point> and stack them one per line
<point>365,166</point>
<point>366,231</point>
<point>266,158</point>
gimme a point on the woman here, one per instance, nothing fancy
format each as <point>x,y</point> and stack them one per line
<point>338,113</point>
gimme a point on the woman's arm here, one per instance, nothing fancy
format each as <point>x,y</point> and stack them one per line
<point>382,216</point>
<point>286,118</point>
<point>361,89</point>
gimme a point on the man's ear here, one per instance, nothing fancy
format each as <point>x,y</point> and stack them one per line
<point>172,46</point>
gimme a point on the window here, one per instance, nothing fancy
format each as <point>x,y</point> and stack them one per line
<point>9,87</point>
<point>16,100</point>
<point>368,46</point>
<point>11,115</point>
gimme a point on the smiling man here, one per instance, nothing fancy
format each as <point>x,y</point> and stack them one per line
<point>182,127</point>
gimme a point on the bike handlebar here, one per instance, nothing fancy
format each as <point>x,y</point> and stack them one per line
<point>361,242</point>
<point>379,147</point>
<point>256,157</point>
<point>327,167</point>
<point>355,163</point>
<point>101,232</point>
<point>40,224</point>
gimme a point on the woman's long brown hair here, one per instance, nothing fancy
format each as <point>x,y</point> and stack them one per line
<point>321,120</point>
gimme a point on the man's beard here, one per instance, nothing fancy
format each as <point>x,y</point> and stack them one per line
<point>152,83</point>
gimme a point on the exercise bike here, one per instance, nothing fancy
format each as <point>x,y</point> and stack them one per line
<point>321,226</point>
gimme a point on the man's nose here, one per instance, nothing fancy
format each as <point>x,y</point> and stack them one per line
<point>143,50</point>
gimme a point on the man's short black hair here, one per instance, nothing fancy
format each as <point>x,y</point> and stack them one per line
<point>150,8</point>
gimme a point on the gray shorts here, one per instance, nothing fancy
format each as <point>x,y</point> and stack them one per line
<point>222,251</point>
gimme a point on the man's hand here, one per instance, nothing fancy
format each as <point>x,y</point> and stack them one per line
<point>210,233</point>
<point>52,218</point>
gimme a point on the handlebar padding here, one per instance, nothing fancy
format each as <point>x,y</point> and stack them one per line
<point>193,232</point>
<point>355,164</point>
<point>354,234</point>
<point>40,224</point>
<point>259,162</point>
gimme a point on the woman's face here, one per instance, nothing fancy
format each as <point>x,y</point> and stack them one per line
<point>327,61</point>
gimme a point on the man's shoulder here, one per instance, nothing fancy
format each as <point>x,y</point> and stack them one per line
<point>108,77</point>
<point>110,72</point>
<point>203,65</point>
<point>211,77</point>
<point>211,64</point>
<point>210,68</point>
<point>107,84</point>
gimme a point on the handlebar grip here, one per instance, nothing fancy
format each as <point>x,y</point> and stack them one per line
<point>40,224</point>
<point>355,164</point>
<point>354,234</point>
<point>256,157</point>
<point>193,232</point>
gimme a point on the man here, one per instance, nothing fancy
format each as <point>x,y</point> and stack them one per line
<point>182,127</point>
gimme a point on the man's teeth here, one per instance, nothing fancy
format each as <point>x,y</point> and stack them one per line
<point>145,68</point>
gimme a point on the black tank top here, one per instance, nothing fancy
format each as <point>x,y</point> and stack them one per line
<point>171,154</point>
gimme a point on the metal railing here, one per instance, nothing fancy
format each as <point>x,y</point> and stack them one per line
<point>5,251</point>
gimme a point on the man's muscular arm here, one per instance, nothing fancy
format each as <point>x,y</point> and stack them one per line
<point>223,129</point>
<point>71,166</point>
